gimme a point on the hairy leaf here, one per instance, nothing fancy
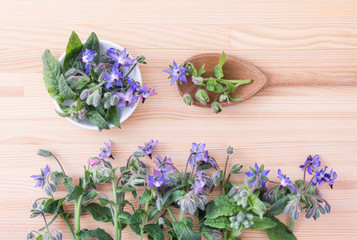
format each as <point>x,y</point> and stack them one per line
<point>219,222</point>
<point>51,73</point>
<point>95,118</point>
<point>183,232</point>
<point>112,116</point>
<point>222,206</point>
<point>98,233</point>
<point>154,231</point>
<point>74,48</point>
<point>64,90</point>
<point>279,206</point>
<point>258,206</point>
<point>262,223</point>
<point>99,213</point>
<point>75,194</point>
<point>280,231</point>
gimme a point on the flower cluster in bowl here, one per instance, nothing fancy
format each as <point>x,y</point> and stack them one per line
<point>173,200</point>
<point>93,84</point>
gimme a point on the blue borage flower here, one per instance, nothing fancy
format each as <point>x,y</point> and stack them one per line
<point>257,175</point>
<point>41,178</point>
<point>87,58</point>
<point>157,180</point>
<point>121,58</point>
<point>311,163</point>
<point>176,73</point>
<point>285,181</point>
<point>147,149</point>
<point>322,177</point>
<point>199,155</point>
<point>114,77</point>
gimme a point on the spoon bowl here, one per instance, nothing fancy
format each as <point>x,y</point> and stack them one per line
<point>233,69</point>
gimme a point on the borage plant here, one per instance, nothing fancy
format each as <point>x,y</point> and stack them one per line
<point>166,190</point>
<point>222,88</point>
<point>93,84</point>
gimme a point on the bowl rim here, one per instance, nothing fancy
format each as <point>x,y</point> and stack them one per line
<point>122,119</point>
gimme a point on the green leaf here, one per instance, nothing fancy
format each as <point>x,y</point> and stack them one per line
<point>214,86</point>
<point>154,231</point>
<point>279,206</point>
<point>201,71</point>
<point>125,217</point>
<point>54,206</point>
<point>262,223</point>
<point>222,206</point>
<point>236,169</point>
<point>92,43</point>
<point>105,201</point>
<point>113,116</point>
<point>98,233</point>
<point>99,213</point>
<point>176,195</point>
<point>230,87</point>
<point>153,213</point>
<point>137,216</point>
<point>223,58</point>
<point>219,222</point>
<point>51,73</point>
<point>75,194</point>
<point>74,48</point>
<point>218,71</point>
<point>136,228</point>
<point>64,90</point>
<point>258,206</point>
<point>145,197</point>
<point>95,118</point>
<point>280,231</point>
<point>68,184</point>
<point>183,232</point>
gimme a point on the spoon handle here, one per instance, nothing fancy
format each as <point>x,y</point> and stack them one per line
<point>343,79</point>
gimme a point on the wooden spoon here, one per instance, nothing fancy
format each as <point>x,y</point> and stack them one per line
<point>234,68</point>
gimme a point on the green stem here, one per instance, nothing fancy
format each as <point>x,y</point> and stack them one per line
<point>224,176</point>
<point>225,234</point>
<point>77,215</point>
<point>182,215</point>
<point>144,220</point>
<point>77,212</point>
<point>115,220</point>
<point>171,214</point>
<point>241,81</point>
<point>65,219</point>
<point>121,199</point>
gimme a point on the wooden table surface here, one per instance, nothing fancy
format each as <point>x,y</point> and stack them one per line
<point>289,40</point>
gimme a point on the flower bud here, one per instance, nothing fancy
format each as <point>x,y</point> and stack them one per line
<point>187,99</point>
<point>159,204</point>
<point>107,104</point>
<point>327,207</point>
<point>216,107</point>
<point>161,221</point>
<point>84,94</point>
<point>44,153</point>
<point>138,154</point>
<point>202,96</point>
<point>96,99</point>
<point>31,236</point>
<point>295,214</point>
<point>197,80</point>
<point>309,213</point>
<point>89,100</point>
<point>230,150</point>
<point>216,177</point>
<point>107,95</point>
<point>114,100</point>
<point>223,97</point>
<point>190,67</point>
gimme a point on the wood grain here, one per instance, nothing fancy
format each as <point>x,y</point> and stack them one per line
<point>310,41</point>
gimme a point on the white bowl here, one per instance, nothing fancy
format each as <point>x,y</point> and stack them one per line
<point>125,112</point>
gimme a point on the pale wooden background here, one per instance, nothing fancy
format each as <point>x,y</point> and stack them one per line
<point>289,40</point>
